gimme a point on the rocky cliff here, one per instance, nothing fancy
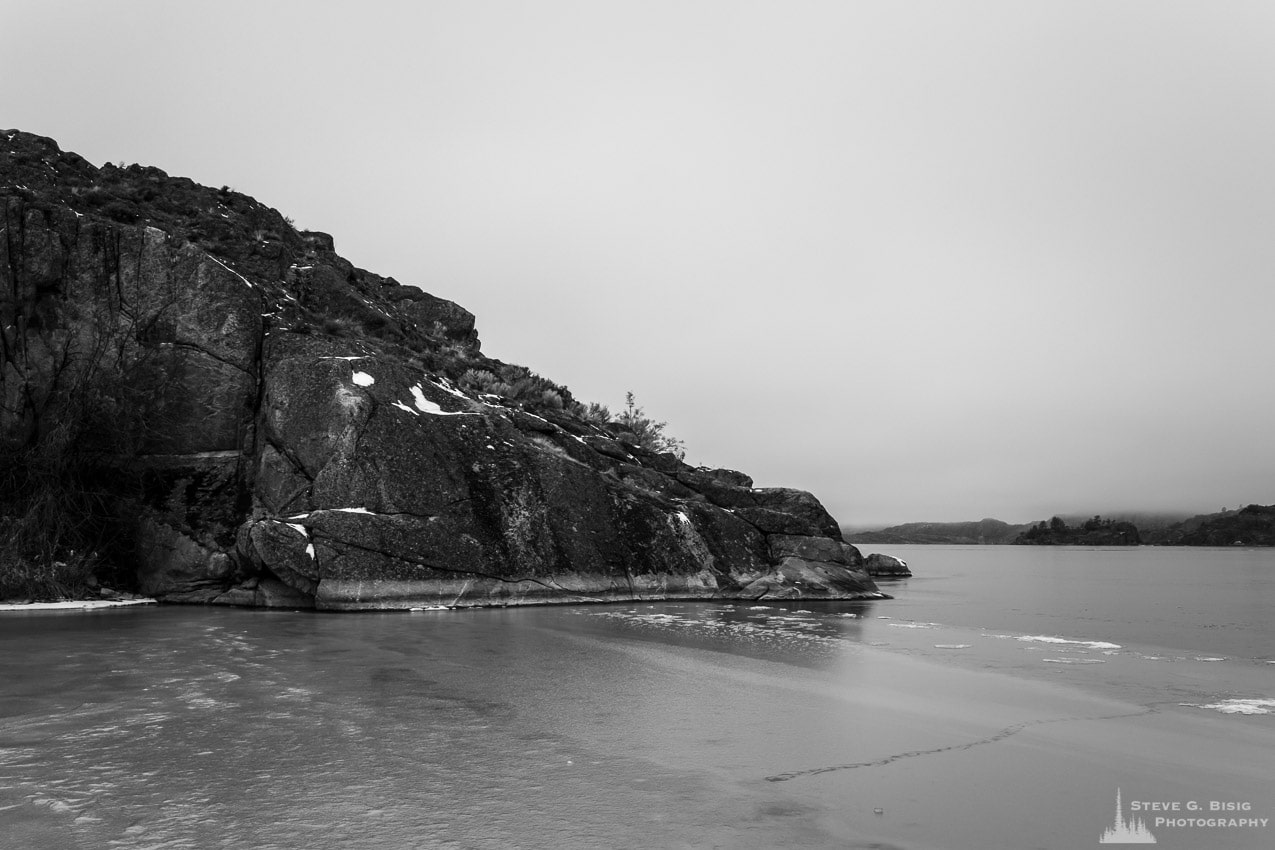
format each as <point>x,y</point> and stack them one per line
<point>271,426</point>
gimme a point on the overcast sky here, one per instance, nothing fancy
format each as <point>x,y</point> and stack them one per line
<point>930,260</point>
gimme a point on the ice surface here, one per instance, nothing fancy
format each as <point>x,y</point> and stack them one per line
<point>1092,644</point>
<point>1238,706</point>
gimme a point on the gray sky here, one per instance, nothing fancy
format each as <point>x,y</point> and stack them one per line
<point>930,260</point>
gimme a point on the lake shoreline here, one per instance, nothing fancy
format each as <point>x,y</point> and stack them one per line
<point>73,605</point>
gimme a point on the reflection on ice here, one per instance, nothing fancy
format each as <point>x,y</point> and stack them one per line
<point>779,628</point>
<point>1237,706</point>
<point>1092,644</point>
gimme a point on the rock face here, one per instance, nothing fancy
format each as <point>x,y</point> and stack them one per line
<point>280,428</point>
<point>886,566</point>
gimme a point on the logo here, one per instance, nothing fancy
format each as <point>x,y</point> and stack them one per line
<point>1178,814</point>
<point>1126,831</point>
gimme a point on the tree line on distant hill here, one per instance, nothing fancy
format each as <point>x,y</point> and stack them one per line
<point>1094,532</point>
<point>1253,525</point>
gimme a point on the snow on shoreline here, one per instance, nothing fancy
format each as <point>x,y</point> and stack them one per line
<point>73,604</point>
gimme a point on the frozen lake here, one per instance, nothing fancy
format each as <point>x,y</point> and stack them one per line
<point>999,701</point>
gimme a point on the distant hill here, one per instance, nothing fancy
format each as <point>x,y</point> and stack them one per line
<point>982,531</point>
<point>1250,526</point>
<point>1094,531</point>
<point>1148,522</point>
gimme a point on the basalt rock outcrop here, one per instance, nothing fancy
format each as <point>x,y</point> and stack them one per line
<point>276,427</point>
<point>886,566</point>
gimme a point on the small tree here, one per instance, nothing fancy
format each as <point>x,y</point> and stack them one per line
<point>594,414</point>
<point>650,434</point>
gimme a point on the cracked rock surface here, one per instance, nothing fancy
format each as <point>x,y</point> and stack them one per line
<point>304,437</point>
